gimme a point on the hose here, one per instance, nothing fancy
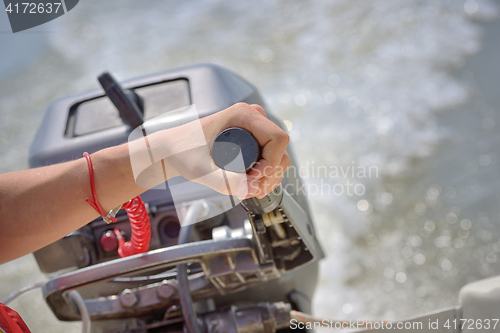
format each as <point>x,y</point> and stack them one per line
<point>21,291</point>
<point>73,295</point>
<point>190,317</point>
<point>82,308</point>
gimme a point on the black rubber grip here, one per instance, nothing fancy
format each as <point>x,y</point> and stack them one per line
<point>229,144</point>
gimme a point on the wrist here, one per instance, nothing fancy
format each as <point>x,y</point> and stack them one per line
<point>113,176</point>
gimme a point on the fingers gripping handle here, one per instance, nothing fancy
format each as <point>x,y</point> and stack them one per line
<point>237,150</point>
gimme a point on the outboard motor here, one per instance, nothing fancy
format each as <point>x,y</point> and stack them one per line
<point>240,269</point>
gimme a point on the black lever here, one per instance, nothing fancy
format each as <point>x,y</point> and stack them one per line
<point>226,147</point>
<point>128,103</point>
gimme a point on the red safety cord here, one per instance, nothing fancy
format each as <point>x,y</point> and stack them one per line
<point>140,227</point>
<point>137,215</point>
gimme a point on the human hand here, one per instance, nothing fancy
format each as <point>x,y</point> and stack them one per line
<point>185,151</point>
<point>268,172</point>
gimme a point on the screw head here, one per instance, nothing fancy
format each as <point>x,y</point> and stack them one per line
<point>165,290</point>
<point>128,298</point>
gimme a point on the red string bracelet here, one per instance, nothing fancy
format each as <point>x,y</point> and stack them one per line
<point>107,217</point>
<point>137,214</point>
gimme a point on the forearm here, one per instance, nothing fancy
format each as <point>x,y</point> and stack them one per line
<point>39,206</point>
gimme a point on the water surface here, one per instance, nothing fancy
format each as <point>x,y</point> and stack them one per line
<point>409,88</point>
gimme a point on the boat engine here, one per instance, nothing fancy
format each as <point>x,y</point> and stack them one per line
<point>242,267</point>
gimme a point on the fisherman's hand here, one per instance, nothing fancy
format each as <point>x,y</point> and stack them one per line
<point>269,170</point>
<point>185,151</point>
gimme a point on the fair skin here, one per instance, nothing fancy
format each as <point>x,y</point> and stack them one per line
<point>39,206</point>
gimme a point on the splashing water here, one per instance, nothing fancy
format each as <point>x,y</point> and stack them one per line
<point>380,84</point>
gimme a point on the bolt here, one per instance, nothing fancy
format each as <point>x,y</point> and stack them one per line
<point>165,290</point>
<point>128,298</point>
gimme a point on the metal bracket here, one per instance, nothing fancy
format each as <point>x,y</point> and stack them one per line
<point>229,265</point>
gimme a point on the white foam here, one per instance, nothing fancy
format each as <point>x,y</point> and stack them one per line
<point>360,81</point>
